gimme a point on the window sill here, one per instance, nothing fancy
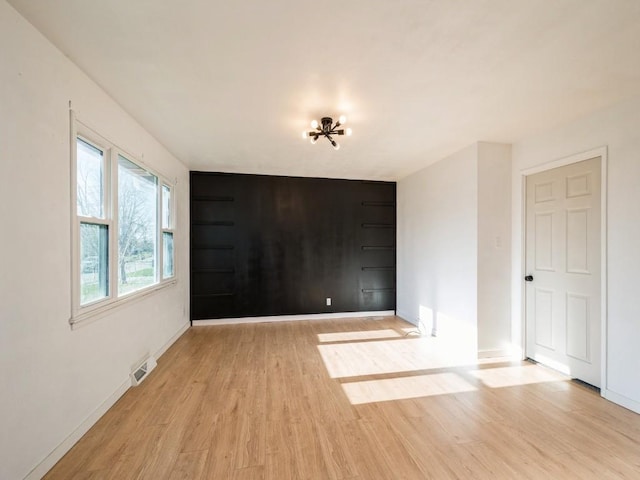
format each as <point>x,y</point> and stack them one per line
<point>96,312</point>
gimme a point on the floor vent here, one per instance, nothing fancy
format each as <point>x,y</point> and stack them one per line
<point>142,371</point>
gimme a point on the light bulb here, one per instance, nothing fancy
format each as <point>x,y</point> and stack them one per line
<point>349,132</point>
<point>314,139</point>
<point>314,124</point>
<point>304,135</point>
<point>342,119</point>
<point>336,145</point>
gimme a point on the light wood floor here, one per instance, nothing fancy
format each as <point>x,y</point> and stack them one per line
<point>350,399</point>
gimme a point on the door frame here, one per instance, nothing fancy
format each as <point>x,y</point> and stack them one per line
<point>561,162</point>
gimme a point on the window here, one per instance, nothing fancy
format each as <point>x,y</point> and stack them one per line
<point>167,233</point>
<point>137,227</point>
<point>124,227</point>
<point>94,227</point>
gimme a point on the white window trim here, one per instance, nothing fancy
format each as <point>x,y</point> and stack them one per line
<point>82,314</point>
<point>171,228</point>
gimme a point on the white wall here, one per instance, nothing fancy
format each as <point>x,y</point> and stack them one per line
<point>437,259</point>
<point>454,256</point>
<point>618,128</point>
<point>53,378</point>
<point>494,249</point>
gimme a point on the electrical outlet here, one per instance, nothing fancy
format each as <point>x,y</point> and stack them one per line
<point>328,301</point>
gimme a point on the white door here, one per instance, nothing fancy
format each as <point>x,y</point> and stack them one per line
<point>563,269</point>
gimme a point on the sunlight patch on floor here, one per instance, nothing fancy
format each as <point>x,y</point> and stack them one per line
<point>390,389</point>
<point>517,375</point>
<point>393,356</point>
<point>360,335</point>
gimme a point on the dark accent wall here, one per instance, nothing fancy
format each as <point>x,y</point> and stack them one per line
<point>265,245</point>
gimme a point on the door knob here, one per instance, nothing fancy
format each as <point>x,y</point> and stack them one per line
<point>528,278</point>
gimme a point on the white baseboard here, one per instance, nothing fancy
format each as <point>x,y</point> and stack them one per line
<point>291,318</point>
<point>621,400</point>
<point>172,340</point>
<point>406,318</point>
<point>47,464</point>
<point>505,352</point>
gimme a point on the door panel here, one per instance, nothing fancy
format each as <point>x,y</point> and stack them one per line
<point>563,256</point>
<point>578,326</point>
<point>544,318</point>
<point>577,241</point>
<point>544,242</point>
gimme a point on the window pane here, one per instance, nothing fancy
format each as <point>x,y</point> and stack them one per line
<point>89,174</point>
<point>94,262</point>
<point>137,236</point>
<point>166,207</point>
<point>167,253</point>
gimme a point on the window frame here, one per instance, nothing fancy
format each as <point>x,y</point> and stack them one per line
<point>82,312</point>
<point>107,203</point>
<point>170,228</point>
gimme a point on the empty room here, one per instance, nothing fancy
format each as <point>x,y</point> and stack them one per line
<point>337,240</point>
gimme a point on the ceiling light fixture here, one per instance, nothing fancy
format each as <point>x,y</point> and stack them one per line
<point>326,128</point>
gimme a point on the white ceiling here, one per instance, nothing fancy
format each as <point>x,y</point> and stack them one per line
<point>230,85</point>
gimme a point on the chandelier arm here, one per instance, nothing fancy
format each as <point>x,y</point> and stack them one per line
<point>326,128</point>
<point>336,132</point>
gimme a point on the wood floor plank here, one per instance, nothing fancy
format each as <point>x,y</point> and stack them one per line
<point>365,452</point>
<point>221,462</point>
<point>189,465</point>
<point>308,455</point>
<point>251,441</point>
<point>91,475</point>
<point>164,456</point>
<point>392,460</point>
<point>335,450</point>
<point>350,399</point>
<point>248,473</point>
<point>280,459</point>
<point>141,446</point>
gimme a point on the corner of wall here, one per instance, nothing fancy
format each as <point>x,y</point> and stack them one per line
<point>494,246</point>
